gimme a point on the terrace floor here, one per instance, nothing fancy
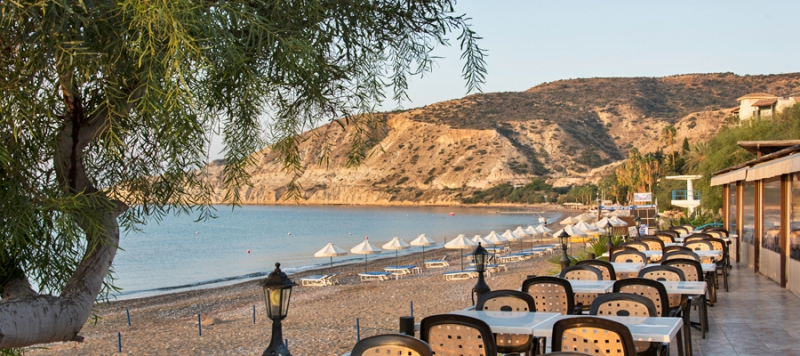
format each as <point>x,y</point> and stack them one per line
<point>756,317</point>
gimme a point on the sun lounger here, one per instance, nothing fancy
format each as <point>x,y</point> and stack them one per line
<point>494,268</point>
<point>403,270</point>
<point>375,276</point>
<point>459,275</point>
<point>436,263</point>
<point>513,257</point>
<point>320,280</point>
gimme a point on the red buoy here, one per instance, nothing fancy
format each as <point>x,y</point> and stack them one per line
<point>248,251</point>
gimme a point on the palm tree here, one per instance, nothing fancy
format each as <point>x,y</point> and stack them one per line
<point>668,136</point>
<point>698,155</point>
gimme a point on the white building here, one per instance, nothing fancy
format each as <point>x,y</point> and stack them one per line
<point>761,105</point>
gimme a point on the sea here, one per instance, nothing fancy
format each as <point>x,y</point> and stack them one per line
<point>243,243</point>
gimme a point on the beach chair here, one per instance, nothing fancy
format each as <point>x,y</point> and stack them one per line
<point>460,275</point>
<point>402,270</point>
<point>375,276</point>
<point>320,280</point>
<point>440,263</point>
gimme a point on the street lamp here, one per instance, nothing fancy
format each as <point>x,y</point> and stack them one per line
<point>609,245</point>
<point>480,257</point>
<point>277,292</point>
<point>638,222</point>
<point>563,237</point>
<point>657,220</point>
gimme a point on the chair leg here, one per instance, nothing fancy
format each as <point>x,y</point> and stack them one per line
<point>725,277</point>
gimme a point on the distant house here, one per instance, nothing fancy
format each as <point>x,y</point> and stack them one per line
<point>760,105</point>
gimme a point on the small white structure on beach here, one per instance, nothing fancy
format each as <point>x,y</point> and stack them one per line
<point>688,198</point>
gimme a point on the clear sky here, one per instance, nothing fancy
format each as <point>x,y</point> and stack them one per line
<point>532,42</point>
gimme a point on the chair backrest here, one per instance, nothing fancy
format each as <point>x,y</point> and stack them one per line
<point>679,230</point>
<point>604,266</point>
<point>664,237</point>
<point>506,300</point>
<point>593,336</point>
<point>640,246</point>
<point>688,227</point>
<point>714,233</point>
<point>651,289</point>
<point>665,274</point>
<point>615,249</point>
<point>450,334</point>
<point>698,245</point>
<point>551,294</point>
<point>391,344</point>
<point>692,269</point>
<point>672,233</point>
<point>629,256</point>
<point>669,249</point>
<point>680,255</point>
<point>718,244</point>
<point>653,243</point>
<point>581,273</point>
<point>623,304</point>
<point>718,229</point>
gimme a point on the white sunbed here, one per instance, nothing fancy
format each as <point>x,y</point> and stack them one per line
<point>375,276</point>
<point>459,275</point>
<point>320,280</point>
<point>436,263</point>
<point>403,270</point>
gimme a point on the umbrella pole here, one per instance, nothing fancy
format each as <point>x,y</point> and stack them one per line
<point>365,263</point>
<point>423,255</point>
<point>462,258</point>
<point>395,258</point>
<point>331,262</point>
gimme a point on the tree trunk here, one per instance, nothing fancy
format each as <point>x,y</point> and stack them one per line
<point>28,318</point>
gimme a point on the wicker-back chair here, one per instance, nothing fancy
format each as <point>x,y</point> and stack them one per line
<point>629,256</point>
<point>688,227</point>
<point>700,245</point>
<point>668,249</point>
<point>664,237</point>
<point>450,334</point>
<point>714,233</point>
<point>623,304</point>
<point>693,271</point>
<point>722,264</point>
<point>582,273</point>
<point>680,230</point>
<point>672,255</point>
<point>551,294</point>
<point>666,274</point>
<point>651,289</point>
<point>392,344</point>
<point>718,229</point>
<point>672,233</point>
<point>615,249</point>
<point>639,246</point>
<point>509,300</point>
<point>593,336</point>
<point>604,266</point>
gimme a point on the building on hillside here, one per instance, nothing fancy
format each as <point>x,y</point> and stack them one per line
<point>761,105</point>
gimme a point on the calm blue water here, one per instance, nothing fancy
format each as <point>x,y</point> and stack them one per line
<point>180,254</point>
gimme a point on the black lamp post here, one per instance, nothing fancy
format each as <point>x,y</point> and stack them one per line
<point>277,292</point>
<point>657,220</point>
<point>563,237</point>
<point>480,257</point>
<point>638,222</point>
<point>609,245</point>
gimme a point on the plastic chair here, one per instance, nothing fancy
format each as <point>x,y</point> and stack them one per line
<point>722,265</point>
<point>582,273</point>
<point>629,257</point>
<point>693,271</point>
<point>680,254</point>
<point>450,334</point>
<point>509,300</point>
<point>630,305</point>
<point>668,249</point>
<point>606,267</point>
<point>672,233</point>
<point>615,249</point>
<point>551,294</point>
<point>392,344</point>
<point>640,246</point>
<point>664,237</point>
<point>593,336</point>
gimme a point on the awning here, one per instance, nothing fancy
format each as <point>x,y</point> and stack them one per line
<point>784,165</point>
<point>730,177</point>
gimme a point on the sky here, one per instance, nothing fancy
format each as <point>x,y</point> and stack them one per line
<point>534,42</point>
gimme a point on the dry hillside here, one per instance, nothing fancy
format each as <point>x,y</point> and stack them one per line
<point>570,131</point>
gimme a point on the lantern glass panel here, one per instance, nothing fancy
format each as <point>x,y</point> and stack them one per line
<point>286,294</point>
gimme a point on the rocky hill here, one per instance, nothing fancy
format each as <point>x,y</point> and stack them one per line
<point>570,131</point>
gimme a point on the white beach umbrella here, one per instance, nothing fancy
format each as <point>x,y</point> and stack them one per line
<point>520,232</point>
<point>587,228</point>
<point>569,221</point>
<point>572,231</point>
<point>423,241</point>
<point>482,241</point>
<point>512,237</point>
<point>396,244</point>
<point>330,250</point>
<point>602,223</point>
<point>530,230</point>
<point>494,238</point>
<point>587,217</point>
<point>542,229</point>
<point>460,243</point>
<point>365,248</point>
<point>615,221</point>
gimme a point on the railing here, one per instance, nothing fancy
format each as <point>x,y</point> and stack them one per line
<point>684,195</point>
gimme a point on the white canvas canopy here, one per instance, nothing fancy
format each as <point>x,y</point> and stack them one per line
<point>530,230</point>
<point>520,232</point>
<point>478,239</point>
<point>587,217</point>
<point>615,221</point>
<point>587,228</point>
<point>572,231</point>
<point>396,244</point>
<point>330,250</point>
<point>365,248</point>
<point>602,223</point>
<point>460,243</point>
<point>513,237</point>
<point>542,229</point>
<point>569,221</point>
<point>423,241</point>
<point>495,238</point>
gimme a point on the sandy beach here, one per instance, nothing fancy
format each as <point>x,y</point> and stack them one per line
<point>321,320</point>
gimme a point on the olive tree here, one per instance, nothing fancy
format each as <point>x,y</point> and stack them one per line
<point>107,110</point>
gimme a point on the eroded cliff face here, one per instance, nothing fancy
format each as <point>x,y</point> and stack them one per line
<point>570,132</point>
